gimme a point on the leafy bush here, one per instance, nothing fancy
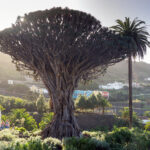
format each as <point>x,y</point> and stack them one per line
<point>20,118</point>
<point>53,144</point>
<point>119,137</point>
<point>20,129</point>
<point>37,144</point>
<point>75,143</point>
<point>147,113</point>
<point>147,126</point>
<point>14,102</point>
<point>46,119</point>
<point>125,116</point>
<point>1,108</point>
<point>8,135</point>
<point>141,139</point>
<point>30,145</point>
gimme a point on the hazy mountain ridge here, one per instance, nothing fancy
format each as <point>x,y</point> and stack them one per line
<point>8,69</point>
<point>117,72</point>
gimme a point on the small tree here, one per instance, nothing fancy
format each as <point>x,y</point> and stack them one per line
<point>92,101</point>
<point>40,104</point>
<point>102,102</point>
<point>81,102</point>
<point>61,47</point>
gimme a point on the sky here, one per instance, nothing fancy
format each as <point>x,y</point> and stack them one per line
<point>107,11</point>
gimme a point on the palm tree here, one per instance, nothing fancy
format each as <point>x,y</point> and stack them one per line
<point>136,36</point>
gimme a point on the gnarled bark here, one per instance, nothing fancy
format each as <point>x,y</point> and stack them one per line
<point>64,123</point>
<point>61,88</point>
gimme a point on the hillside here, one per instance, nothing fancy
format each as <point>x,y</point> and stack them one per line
<point>8,69</point>
<point>117,72</point>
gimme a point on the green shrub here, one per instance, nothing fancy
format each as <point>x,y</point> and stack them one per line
<point>10,102</point>
<point>119,137</point>
<point>141,139</point>
<point>53,144</point>
<point>46,119</point>
<point>2,108</point>
<point>147,126</point>
<point>37,144</point>
<point>75,143</point>
<point>147,113</point>
<point>8,135</point>
<point>99,135</point>
<point>21,118</point>
<point>20,129</point>
<point>125,116</point>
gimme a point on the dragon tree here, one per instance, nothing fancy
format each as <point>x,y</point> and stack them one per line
<point>61,47</point>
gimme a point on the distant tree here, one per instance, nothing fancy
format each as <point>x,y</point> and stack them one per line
<point>81,102</point>
<point>137,40</point>
<point>102,102</point>
<point>92,101</point>
<point>41,104</point>
<point>61,47</point>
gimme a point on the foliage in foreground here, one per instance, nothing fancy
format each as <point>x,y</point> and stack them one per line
<point>84,144</point>
<point>118,139</point>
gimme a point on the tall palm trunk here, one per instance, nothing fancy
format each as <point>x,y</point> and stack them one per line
<point>130,89</point>
<point>103,110</point>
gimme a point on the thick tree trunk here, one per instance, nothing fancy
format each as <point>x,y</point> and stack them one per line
<point>50,105</point>
<point>130,90</point>
<point>64,123</point>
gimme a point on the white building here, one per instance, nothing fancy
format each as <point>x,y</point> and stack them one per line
<point>36,89</point>
<point>136,85</point>
<point>147,79</point>
<point>10,82</point>
<point>115,85</point>
<point>28,78</point>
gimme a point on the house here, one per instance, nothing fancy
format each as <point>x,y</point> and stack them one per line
<point>88,93</point>
<point>10,82</point>
<point>36,89</point>
<point>114,85</point>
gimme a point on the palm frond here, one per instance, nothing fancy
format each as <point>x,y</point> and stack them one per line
<point>136,35</point>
